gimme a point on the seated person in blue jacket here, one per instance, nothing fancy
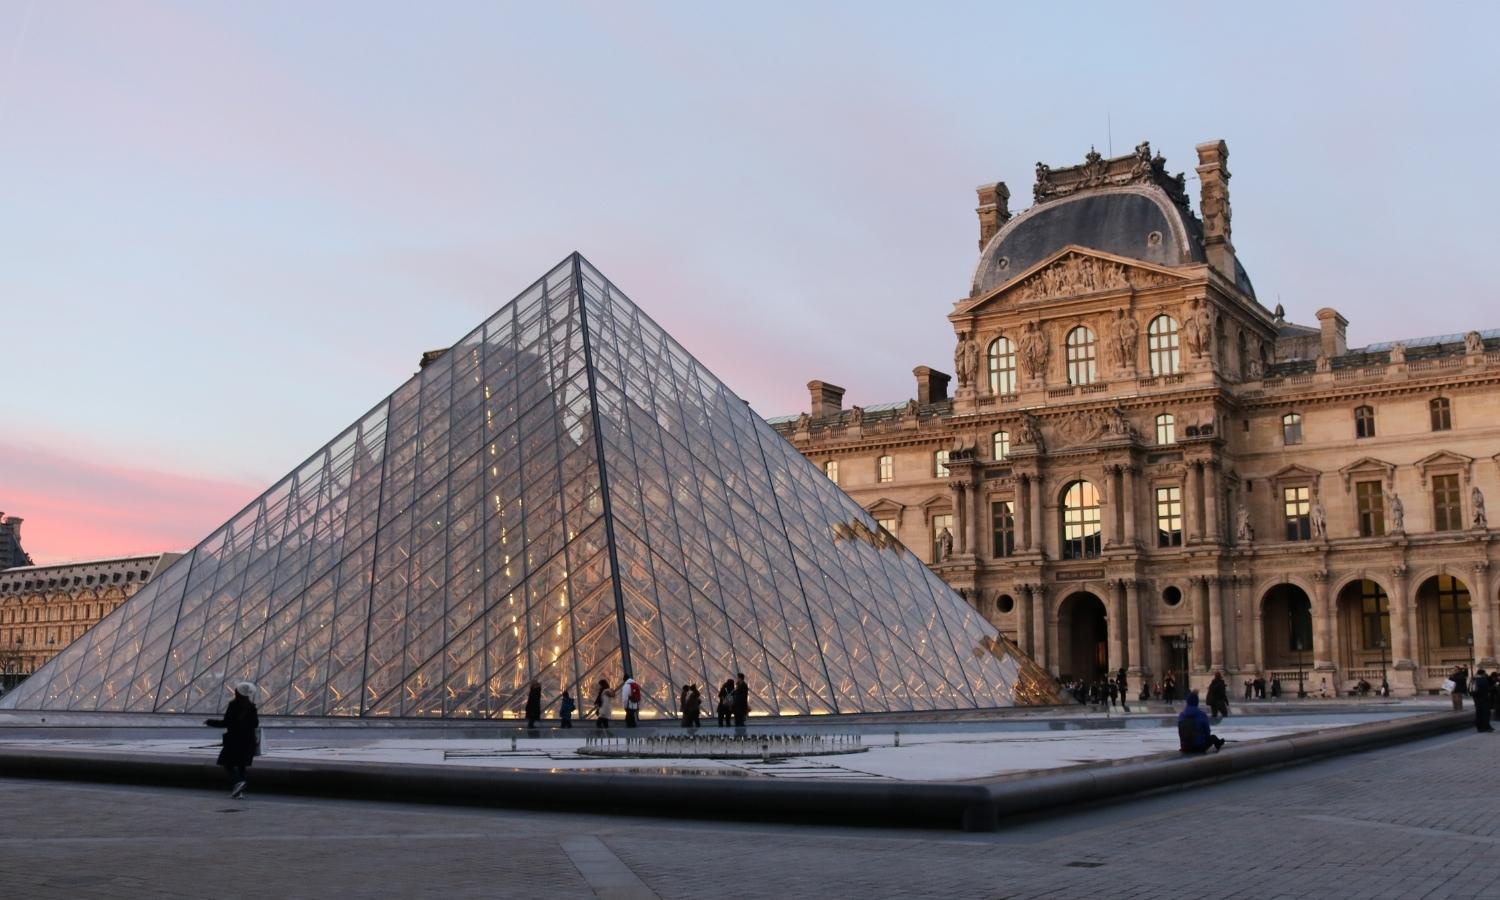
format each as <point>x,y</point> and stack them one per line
<point>1193,732</point>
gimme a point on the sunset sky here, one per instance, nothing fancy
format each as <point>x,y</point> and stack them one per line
<point>228,229</point>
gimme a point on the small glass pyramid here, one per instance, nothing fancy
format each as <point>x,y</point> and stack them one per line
<point>564,495</point>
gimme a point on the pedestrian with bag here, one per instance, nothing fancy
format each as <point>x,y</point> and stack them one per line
<point>241,743</point>
<point>604,704</point>
<point>726,703</point>
<point>632,689</point>
<point>565,709</point>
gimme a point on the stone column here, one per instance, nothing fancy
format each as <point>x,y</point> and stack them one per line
<point>1215,624</point>
<point>960,519</point>
<point>1108,507</point>
<point>1023,509</point>
<point>1259,640</point>
<point>1198,657</point>
<point>979,505</point>
<point>1039,626</point>
<point>1484,616</point>
<point>1192,522</point>
<point>1322,624</point>
<point>1127,505</point>
<point>1118,628</point>
<point>1133,630</point>
<point>1211,501</point>
<point>1038,541</point>
<point>1024,627</point>
<point>1404,674</point>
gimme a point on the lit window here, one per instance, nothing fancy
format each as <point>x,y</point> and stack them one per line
<point>940,464</point>
<point>939,525</point>
<point>1003,526</point>
<point>1447,508</point>
<point>1166,429</point>
<point>1455,623</point>
<point>1161,342</point>
<point>1169,516</point>
<point>1002,445</point>
<point>886,469</point>
<point>887,525</point>
<point>1291,429</point>
<point>1370,501</point>
<point>1002,357</point>
<point>1442,413</point>
<point>1081,521</point>
<point>831,469</point>
<point>1297,508</point>
<point>1364,421</point>
<point>1375,615</point>
<point>1082,356</point>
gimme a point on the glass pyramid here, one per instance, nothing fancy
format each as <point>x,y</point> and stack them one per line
<point>566,495</point>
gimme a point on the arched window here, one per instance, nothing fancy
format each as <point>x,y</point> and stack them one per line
<point>1081,521</point>
<point>1166,429</point>
<point>1002,357</point>
<point>1442,413</point>
<point>1002,445</point>
<point>1364,421</point>
<point>1291,429</point>
<point>1082,355</point>
<point>1162,344</point>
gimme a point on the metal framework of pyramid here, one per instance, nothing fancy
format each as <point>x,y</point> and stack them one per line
<point>565,494</point>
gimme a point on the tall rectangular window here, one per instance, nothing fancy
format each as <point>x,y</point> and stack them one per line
<point>831,469</point>
<point>939,525</point>
<point>1441,412</point>
<point>1003,526</point>
<point>888,524</point>
<point>1369,498</point>
<point>1455,622</point>
<point>1169,516</point>
<point>1002,445</point>
<point>886,469</point>
<point>1291,429</point>
<point>940,464</point>
<point>1297,508</point>
<point>1447,507</point>
<point>1364,421</point>
<point>1375,616</point>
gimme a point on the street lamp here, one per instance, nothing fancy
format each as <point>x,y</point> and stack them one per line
<point>1301,687</point>
<point>1385,687</point>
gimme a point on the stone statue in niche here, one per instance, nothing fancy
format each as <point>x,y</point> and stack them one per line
<point>1034,351</point>
<point>910,410</point>
<point>945,545</point>
<point>803,422</point>
<point>857,416</point>
<point>1398,512</point>
<point>1476,499</point>
<point>1244,532</point>
<point>1031,431</point>
<point>966,360</point>
<point>1198,328</point>
<point>1473,343</point>
<point>1127,335</point>
<point>1319,519</point>
<point>1398,353</point>
<point>1257,369</point>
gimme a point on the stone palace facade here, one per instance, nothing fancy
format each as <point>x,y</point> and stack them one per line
<point>1142,466</point>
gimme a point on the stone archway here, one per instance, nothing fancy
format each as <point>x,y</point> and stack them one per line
<point>1445,628</point>
<point>1083,629</point>
<point>1286,625</point>
<point>1363,647</point>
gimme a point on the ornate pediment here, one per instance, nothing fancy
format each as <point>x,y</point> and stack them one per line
<point>1445,461</point>
<point>1368,465</point>
<point>1075,273</point>
<point>1295,473</point>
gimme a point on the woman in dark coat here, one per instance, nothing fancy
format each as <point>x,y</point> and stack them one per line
<point>240,724</point>
<point>533,705</point>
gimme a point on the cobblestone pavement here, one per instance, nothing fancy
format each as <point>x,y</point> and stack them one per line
<point>1413,821</point>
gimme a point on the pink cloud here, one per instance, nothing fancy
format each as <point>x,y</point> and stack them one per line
<point>78,508</point>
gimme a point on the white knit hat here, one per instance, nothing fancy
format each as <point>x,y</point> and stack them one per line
<point>246,688</point>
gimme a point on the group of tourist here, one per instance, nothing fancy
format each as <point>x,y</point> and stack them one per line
<point>1484,687</point>
<point>1258,688</point>
<point>733,704</point>
<point>1102,691</point>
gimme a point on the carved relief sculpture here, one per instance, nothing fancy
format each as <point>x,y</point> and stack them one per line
<point>1476,498</point>
<point>1073,274</point>
<point>1034,351</point>
<point>1127,333</point>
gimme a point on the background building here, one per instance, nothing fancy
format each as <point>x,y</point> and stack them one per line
<point>1142,466</point>
<point>11,553</point>
<point>44,608</point>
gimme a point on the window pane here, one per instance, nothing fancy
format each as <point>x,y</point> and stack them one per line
<point>887,469</point>
<point>1169,516</point>
<point>831,469</point>
<point>1081,356</point>
<point>1291,429</point>
<point>1003,526</point>
<point>1447,508</point>
<point>1002,363</point>
<point>1161,339</point>
<point>1442,417</point>
<point>940,464</point>
<point>1364,422</point>
<point>1297,508</point>
<point>1002,445</point>
<point>1370,501</point>
<point>1166,429</point>
<point>1081,521</point>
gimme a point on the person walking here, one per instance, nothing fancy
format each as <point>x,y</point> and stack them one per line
<point>1169,688</point>
<point>1218,696</point>
<point>241,726</point>
<point>632,689</point>
<point>565,709</point>
<point>533,705</point>
<point>604,704</point>
<point>1482,688</point>
<point>1460,677</point>
<point>1194,731</point>
<point>741,707</point>
<point>1123,686</point>
<point>692,707</point>
<point>726,703</point>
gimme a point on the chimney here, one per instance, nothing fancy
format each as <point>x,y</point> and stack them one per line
<point>1213,203</point>
<point>994,210</point>
<point>827,399</point>
<point>932,385</point>
<point>1332,326</point>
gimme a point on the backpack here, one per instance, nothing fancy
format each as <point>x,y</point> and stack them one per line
<point>635,692</point>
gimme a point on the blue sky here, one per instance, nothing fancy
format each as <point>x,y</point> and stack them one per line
<point>228,229</point>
